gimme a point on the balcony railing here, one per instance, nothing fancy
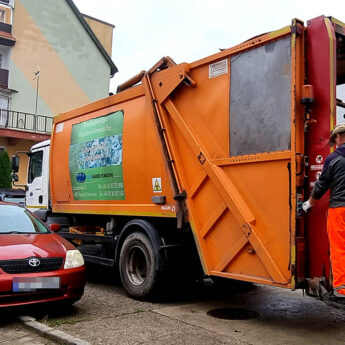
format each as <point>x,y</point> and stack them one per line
<point>25,121</point>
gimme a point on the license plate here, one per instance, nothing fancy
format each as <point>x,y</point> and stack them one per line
<point>27,284</point>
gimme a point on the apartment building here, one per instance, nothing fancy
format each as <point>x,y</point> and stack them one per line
<point>52,59</point>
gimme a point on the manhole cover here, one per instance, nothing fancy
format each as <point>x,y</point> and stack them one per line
<point>233,314</point>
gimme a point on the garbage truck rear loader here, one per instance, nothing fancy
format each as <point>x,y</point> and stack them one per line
<point>222,150</point>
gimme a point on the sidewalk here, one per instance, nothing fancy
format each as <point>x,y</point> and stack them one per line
<point>18,330</point>
<point>13,333</point>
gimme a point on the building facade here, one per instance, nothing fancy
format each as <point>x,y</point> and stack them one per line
<point>51,61</point>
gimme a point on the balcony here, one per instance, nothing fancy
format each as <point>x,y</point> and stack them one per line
<point>6,37</point>
<point>17,120</point>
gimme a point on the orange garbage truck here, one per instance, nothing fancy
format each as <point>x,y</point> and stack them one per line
<point>203,164</point>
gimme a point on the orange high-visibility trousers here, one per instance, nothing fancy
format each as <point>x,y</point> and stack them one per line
<point>336,236</point>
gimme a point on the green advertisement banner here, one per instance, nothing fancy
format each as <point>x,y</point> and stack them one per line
<point>95,158</point>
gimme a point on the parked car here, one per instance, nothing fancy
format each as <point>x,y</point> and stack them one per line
<point>12,195</point>
<point>36,264</point>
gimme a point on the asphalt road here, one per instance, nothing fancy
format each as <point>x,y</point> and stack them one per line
<point>105,315</point>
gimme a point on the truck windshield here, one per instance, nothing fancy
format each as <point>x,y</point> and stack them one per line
<point>35,165</point>
<point>340,78</point>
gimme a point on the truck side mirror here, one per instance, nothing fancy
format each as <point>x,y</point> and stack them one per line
<point>15,164</point>
<point>14,178</point>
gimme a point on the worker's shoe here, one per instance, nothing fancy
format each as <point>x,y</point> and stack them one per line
<point>329,296</point>
<point>334,297</point>
<point>338,295</point>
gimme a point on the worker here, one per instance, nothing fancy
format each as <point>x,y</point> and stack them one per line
<point>333,178</point>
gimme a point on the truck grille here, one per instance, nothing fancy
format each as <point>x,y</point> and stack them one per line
<point>23,266</point>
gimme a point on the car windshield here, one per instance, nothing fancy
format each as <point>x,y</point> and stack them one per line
<point>18,220</point>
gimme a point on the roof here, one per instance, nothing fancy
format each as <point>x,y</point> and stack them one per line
<point>113,68</point>
<point>98,20</point>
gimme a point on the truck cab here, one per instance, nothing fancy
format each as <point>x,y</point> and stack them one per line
<point>37,194</point>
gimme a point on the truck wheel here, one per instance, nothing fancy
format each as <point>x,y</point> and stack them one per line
<point>137,266</point>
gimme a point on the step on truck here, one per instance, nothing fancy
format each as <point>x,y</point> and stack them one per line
<point>205,162</point>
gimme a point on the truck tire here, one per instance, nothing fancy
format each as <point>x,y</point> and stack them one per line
<point>137,266</point>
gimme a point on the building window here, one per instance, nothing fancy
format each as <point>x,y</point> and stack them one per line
<point>2,16</point>
<point>4,102</point>
<point>3,111</point>
<point>251,116</point>
<point>35,166</point>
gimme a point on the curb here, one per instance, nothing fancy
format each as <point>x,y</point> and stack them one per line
<point>50,333</point>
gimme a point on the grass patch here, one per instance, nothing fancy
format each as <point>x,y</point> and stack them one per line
<point>59,322</point>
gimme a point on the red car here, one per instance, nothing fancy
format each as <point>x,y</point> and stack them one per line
<point>36,265</point>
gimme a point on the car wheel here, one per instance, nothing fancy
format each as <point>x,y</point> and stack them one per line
<point>137,266</point>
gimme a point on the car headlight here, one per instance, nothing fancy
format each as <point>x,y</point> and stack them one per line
<point>73,259</point>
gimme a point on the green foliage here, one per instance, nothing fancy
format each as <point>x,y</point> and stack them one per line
<point>5,170</point>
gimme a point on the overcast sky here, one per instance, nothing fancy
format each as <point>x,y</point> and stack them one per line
<point>188,30</point>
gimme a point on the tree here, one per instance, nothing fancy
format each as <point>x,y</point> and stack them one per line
<point>5,170</point>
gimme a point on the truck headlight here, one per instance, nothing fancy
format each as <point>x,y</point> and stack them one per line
<point>73,259</point>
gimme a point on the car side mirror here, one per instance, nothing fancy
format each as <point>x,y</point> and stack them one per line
<point>54,227</point>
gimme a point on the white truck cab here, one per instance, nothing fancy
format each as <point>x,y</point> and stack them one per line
<point>37,198</point>
<point>37,194</point>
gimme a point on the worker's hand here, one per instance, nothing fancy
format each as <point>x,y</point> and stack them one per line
<point>306,206</point>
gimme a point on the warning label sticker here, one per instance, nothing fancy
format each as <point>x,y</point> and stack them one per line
<point>218,68</point>
<point>316,167</point>
<point>59,127</point>
<point>157,184</point>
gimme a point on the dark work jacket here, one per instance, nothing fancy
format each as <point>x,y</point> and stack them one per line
<point>333,177</point>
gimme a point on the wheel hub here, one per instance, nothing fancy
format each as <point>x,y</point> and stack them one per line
<point>136,266</point>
